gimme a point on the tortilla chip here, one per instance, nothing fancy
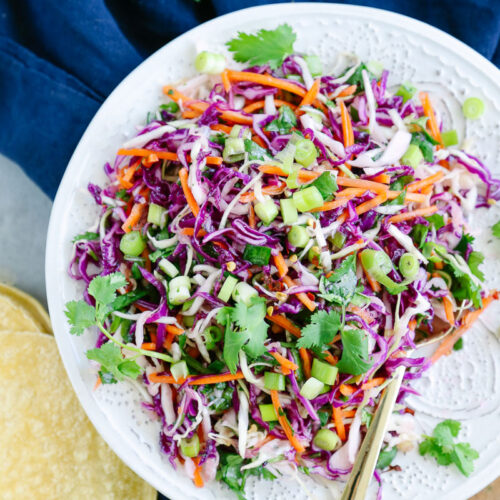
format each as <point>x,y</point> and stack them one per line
<point>48,447</point>
<point>21,312</point>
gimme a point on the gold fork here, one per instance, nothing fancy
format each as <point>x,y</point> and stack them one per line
<point>366,460</point>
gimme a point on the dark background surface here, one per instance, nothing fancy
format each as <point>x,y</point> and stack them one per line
<point>60,59</point>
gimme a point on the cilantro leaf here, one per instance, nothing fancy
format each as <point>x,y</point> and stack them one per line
<point>128,298</point>
<point>326,185</point>
<point>464,242</point>
<point>285,122</point>
<point>103,288</point>
<point>113,365</point>
<point>321,330</point>
<point>80,316</point>
<point>459,344</point>
<point>495,229</point>
<point>386,457</point>
<point>88,236</point>
<point>475,260</point>
<point>419,234</point>
<point>266,47</point>
<point>425,145</point>
<point>401,182</point>
<point>357,77</point>
<point>255,152</point>
<point>342,283</point>
<point>354,360</point>
<point>437,220</point>
<point>441,445</point>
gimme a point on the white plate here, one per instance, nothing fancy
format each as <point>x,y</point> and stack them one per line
<point>464,386</point>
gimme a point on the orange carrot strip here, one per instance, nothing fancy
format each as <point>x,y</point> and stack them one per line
<point>374,285</point>
<point>254,106</point>
<point>348,413</point>
<point>429,112</point>
<point>174,330</point>
<point>447,345</point>
<point>258,140</point>
<point>311,94</point>
<point>280,264</point>
<point>225,81</point>
<point>439,265</point>
<point>98,382</point>
<point>346,389</point>
<point>330,358</point>
<point>251,217</point>
<point>419,212</point>
<point>284,423</point>
<point>383,178</point>
<point>267,80</point>
<point>364,315</point>
<point>409,197</point>
<point>350,192</point>
<point>347,132</point>
<point>148,346</point>
<point>175,95</point>
<point>219,127</point>
<point>125,176</point>
<point>197,479</point>
<point>374,382</point>
<point>236,117</point>
<point>370,204</point>
<point>339,423</point>
<point>332,205</point>
<point>205,380</point>
<point>432,179</point>
<point>190,114</point>
<point>193,205</point>
<point>147,261</point>
<point>311,305</point>
<point>163,155</point>
<point>376,187</point>
<point>134,217</point>
<point>168,341</point>
<point>189,231</point>
<point>448,310</point>
<point>347,91</point>
<point>285,323</point>
<point>306,360</point>
<point>284,362</point>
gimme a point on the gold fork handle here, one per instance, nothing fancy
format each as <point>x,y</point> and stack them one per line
<point>365,462</point>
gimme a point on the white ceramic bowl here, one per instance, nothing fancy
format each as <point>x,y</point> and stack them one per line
<point>464,386</point>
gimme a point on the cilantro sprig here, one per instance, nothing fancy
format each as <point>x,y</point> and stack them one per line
<point>355,357</point>
<point>321,330</point>
<point>81,316</point>
<point>266,47</point>
<point>442,446</point>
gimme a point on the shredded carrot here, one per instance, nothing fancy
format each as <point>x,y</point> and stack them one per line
<point>284,423</point>
<point>189,231</point>
<point>346,389</point>
<point>175,95</point>
<point>419,212</point>
<point>447,345</point>
<point>383,178</point>
<point>219,127</point>
<point>330,358</point>
<point>134,217</point>
<point>374,285</point>
<point>226,83</point>
<point>348,413</point>
<point>190,114</point>
<point>376,187</point>
<point>332,205</point>
<point>370,204</point>
<point>284,362</point>
<point>203,380</point>
<point>335,339</point>
<point>428,181</point>
<point>168,341</point>
<point>258,140</point>
<point>429,112</point>
<point>125,176</point>
<point>174,330</point>
<point>306,361</point>
<point>311,305</point>
<point>448,310</point>
<point>236,117</point>
<point>339,423</point>
<point>193,205</point>
<point>251,217</point>
<point>147,261</point>
<point>348,91</point>
<point>311,94</point>
<point>409,197</point>
<point>374,382</point>
<point>197,479</point>
<point>148,346</point>
<point>285,323</point>
<point>254,106</point>
<point>98,382</point>
<point>439,265</point>
<point>164,155</point>
<point>280,264</point>
<point>347,132</point>
<point>412,324</point>
<point>271,190</point>
<point>264,441</point>
<point>364,315</point>
<point>267,80</point>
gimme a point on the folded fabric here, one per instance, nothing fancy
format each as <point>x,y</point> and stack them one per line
<point>59,60</point>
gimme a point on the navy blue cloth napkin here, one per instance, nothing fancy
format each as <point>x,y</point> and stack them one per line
<point>59,60</point>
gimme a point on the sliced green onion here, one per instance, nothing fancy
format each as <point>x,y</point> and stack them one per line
<point>227,288</point>
<point>190,447</point>
<point>268,413</point>
<point>243,292</point>
<point>326,439</point>
<point>375,68</point>
<point>132,244</point>
<point>274,381</point>
<point>315,116</point>
<point>314,64</point>
<point>293,177</point>
<point>188,320</point>
<point>136,272</point>
<point>307,199</point>
<point>412,157</point>
<point>212,335</point>
<point>408,265</point>
<point>168,268</point>
<point>285,156</point>
<point>266,211</point>
<point>156,214</point>
<point>257,255</point>
<point>170,107</point>
<point>305,152</point>
<point>179,370</point>
<point>338,240</point>
<point>449,138</point>
<point>298,237</point>
<point>234,149</point>
<point>187,305</point>
<point>289,212</point>
<point>312,388</point>
<point>326,184</point>
<point>406,91</point>
<point>236,132</point>
<point>324,372</point>
<point>473,108</point>
<point>210,62</point>
<point>179,290</point>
